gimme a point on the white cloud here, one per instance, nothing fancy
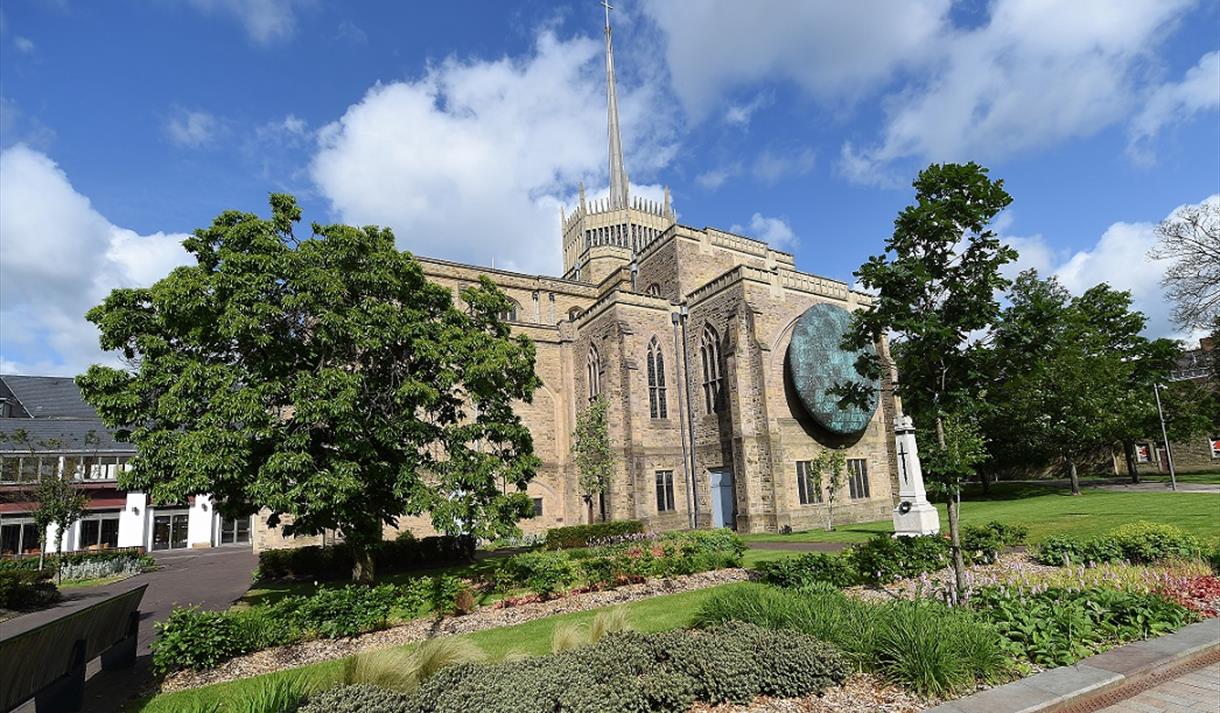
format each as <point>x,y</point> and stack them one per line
<point>770,165</point>
<point>1119,257</point>
<point>1036,73</point>
<point>716,177</point>
<point>830,49</point>
<point>740,114</point>
<point>265,21</point>
<point>774,231</point>
<point>472,161</point>
<point>24,44</point>
<point>192,129</point>
<point>1172,102</point>
<point>58,258</point>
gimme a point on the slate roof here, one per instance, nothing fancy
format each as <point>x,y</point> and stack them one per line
<point>48,396</point>
<point>72,434</point>
<point>49,408</point>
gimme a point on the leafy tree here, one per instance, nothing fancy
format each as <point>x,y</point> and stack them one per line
<point>1072,370</point>
<point>935,286</point>
<point>832,463</point>
<point>1190,240</point>
<point>60,504</point>
<point>591,452</point>
<point>324,379</point>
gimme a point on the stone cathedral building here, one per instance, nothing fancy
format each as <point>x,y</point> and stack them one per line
<point>686,332</point>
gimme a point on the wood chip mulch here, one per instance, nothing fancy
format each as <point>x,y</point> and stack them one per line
<point>861,693</point>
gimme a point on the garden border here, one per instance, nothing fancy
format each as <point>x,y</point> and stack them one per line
<point>1076,687</point>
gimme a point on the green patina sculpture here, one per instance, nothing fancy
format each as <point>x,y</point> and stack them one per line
<point>817,362</point>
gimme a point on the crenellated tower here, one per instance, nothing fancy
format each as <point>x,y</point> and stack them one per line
<point>602,235</point>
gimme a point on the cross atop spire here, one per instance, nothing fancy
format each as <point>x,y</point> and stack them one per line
<point>618,171</point>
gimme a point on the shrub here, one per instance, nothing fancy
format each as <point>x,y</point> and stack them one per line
<point>1213,560</point>
<point>360,698</point>
<point>717,541</point>
<point>804,570</point>
<point>981,544</point>
<point>196,639</point>
<point>334,561</point>
<point>1062,549</point>
<point>885,559</point>
<point>642,672</point>
<point>85,564</point>
<point>1057,627</point>
<point>26,589</point>
<point>558,538</point>
<point>1149,542</point>
<point>342,611</point>
<point>1010,535</point>
<point>544,573</point>
<point>925,646</point>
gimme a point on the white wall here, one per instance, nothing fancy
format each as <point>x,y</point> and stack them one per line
<point>199,522</point>
<point>133,521</point>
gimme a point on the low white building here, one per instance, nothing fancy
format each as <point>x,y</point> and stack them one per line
<point>46,429</point>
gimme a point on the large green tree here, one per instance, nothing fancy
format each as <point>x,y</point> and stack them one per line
<point>322,378</point>
<point>1073,374</point>
<point>935,288</point>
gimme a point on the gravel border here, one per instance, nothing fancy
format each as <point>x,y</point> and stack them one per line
<point>318,650</point>
<point>860,693</point>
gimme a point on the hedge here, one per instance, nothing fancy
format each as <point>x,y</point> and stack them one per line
<point>25,589</point>
<point>334,561</point>
<point>558,538</point>
<point>51,560</point>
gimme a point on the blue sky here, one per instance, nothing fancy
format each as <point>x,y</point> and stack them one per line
<point>466,125</point>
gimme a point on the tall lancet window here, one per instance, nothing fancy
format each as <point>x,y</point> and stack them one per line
<point>713,376</point>
<point>594,368</point>
<point>657,407</point>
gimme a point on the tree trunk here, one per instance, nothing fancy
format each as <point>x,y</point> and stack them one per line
<point>59,561</point>
<point>986,482</point>
<point>42,550</point>
<point>955,548</point>
<point>1075,478</point>
<point>362,563</point>
<point>955,542</point>
<point>1129,455</point>
<point>589,507</point>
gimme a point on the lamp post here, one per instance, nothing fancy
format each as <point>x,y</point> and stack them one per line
<point>1173,478</point>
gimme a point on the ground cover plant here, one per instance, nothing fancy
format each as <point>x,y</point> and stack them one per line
<point>584,535</point>
<point>1138,542</point>
<point>1057,627</point>
<point>623,671</point>
<point>85,564</point>
<point>926,646</point>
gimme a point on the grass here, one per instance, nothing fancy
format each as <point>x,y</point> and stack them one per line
<point>99,581</point>
<point>534,638</point>
<point>1048,511</point>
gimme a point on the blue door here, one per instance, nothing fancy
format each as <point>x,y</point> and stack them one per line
<point>724,498</point>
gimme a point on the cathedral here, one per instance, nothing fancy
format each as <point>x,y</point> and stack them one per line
<point>714,354</point>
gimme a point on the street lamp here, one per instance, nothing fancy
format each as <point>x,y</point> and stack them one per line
<point>1173,479</point>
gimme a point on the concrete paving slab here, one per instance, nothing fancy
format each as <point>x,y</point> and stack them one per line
<point>1073,679</point>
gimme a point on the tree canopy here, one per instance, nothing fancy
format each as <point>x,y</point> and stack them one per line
<point>324,379</point>
<point>591,452</point>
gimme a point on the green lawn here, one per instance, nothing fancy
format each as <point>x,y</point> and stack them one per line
<point>1048,511</point>
<point>534,637</point>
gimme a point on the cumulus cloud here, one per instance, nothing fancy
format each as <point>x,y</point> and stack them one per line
<point>58,258</point>
<point>472,161</point>
<point>1173,102</point>
<point>830,49</point>
<point>774,231</point>
<point>1119,257</point>
<point>24,44</point>
<point>1036,73</point>
<point>265,21</point>
<point>192,129</point>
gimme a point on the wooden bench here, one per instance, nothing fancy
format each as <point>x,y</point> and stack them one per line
<point>47,663</point>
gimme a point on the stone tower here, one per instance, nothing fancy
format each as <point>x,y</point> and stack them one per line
<point>601,236</point>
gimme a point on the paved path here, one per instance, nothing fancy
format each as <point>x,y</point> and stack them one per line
<point>1196,691</point>
<point>210,578</point>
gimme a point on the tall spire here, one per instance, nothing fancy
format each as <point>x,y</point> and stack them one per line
<point>618,172</point>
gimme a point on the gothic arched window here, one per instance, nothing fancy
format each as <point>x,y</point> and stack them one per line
<point>713,376</point>
<point>511,314</point>
<point>654,289</point>
<point>657,406</point>
<point>594,372</point>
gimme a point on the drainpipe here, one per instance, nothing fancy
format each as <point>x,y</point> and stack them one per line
<point>683,313</point>
<point>682,434</point>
